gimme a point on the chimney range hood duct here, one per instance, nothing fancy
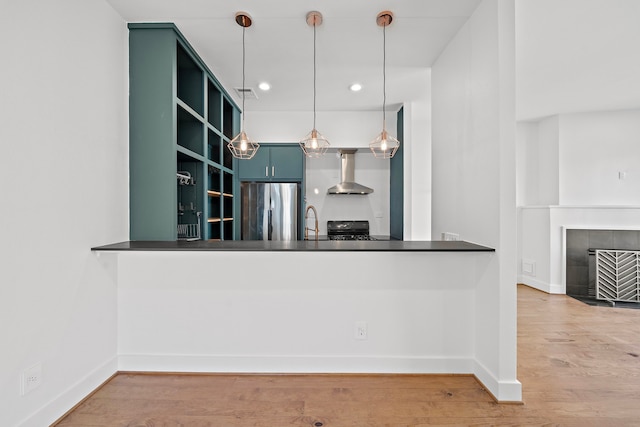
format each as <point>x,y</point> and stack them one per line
<point>347,171</point>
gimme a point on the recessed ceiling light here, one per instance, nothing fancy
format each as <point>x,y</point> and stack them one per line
<point>355,87</point>
<point>264,86</point>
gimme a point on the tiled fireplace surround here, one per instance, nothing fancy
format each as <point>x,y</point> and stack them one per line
<point>580,267</point>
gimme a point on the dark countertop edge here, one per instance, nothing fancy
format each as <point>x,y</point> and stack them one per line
<point>297,246</point>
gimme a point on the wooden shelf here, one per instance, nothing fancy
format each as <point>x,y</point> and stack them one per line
<point>213,193</point>
<point>219,219</point>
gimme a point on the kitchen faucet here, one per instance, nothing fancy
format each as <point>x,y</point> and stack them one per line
<point>306,216</point>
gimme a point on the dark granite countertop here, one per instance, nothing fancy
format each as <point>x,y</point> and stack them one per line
<point>298,245</point>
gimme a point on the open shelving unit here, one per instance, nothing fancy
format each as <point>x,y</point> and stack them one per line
<point>220,202</point>
<point>181,119</point>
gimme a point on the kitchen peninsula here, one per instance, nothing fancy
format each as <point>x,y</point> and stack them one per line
<point>301,307</point>
<point>298,245</point>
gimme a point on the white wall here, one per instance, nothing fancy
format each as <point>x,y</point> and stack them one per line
<point>594,149</point>
<point>324,172</point>
<point>548,161</point>
<point>474,174</point>
<point>576,159</point>
<point>534,248</point>
<point>526,162</point>
<point>344,129</point>
<point>417,164</point>
<point>539,155</point>
<point>576,56</point>
<point>297,311</point>
<point>63,130</point>
<point>538,162</point>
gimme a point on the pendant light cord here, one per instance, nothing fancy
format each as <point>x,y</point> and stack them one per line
<point>314,75</point>
<point>384,76</point>
<point>243,75</point>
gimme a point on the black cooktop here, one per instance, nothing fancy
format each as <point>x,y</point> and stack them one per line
<point>348,230</point>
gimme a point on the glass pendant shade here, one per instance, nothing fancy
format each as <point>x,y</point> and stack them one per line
<point>384,146</point>
<point>242,147</point>
<point>314,144</point>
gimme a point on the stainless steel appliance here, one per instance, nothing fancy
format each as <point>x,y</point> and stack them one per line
<point>348,230</point>
<point>347,184</point>
<point>269,210</point>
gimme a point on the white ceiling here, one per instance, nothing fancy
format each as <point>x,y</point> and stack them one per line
<point>279,46</point>
<point>571,55</point>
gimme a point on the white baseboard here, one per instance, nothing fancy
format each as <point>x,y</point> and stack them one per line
<point>503,391</point>
<point>293,364</point>
<point>540,285</point>
<point>556,289</point>
<point>57,407</point>
<point>507,391</point>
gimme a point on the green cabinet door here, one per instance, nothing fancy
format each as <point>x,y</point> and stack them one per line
<point>255,169</point>
<point>281,162</point>
<point>287,163</point>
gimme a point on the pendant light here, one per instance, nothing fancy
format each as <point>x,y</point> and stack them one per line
<point>385,145</point>
<point>314,144</point>
<point>242,147</point>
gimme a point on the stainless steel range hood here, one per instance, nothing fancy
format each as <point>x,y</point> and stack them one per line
<point>347,169</point>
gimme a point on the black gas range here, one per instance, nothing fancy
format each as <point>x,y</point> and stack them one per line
<point>348,230</point>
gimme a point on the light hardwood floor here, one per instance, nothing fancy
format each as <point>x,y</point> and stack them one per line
<point>578,364</point>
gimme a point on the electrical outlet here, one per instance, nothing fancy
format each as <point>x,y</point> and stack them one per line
<point>31,378</point>
<point>450,236</point>
<point>529,267</point>
<point>361,332</point>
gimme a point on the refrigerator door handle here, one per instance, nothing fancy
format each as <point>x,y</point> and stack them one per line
<point>270,227</point>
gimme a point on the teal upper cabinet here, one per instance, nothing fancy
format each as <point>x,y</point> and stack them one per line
<point>273,162</point>
<point>256,168</point>
<point>181,174</point>
<point>287,162</point>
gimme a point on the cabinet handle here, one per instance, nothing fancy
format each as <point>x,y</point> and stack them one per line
<point>273,171</point>
<point>266,171</point>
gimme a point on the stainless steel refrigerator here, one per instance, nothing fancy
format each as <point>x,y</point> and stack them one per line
<point>269,210</point>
